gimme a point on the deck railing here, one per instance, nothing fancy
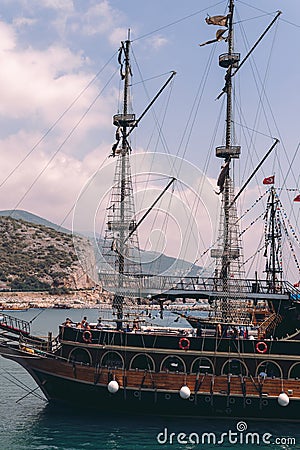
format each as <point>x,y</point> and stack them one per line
<point>157,284</point>
<point>13,324</point>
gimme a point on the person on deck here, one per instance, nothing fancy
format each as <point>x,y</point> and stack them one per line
<point>199,330</point>
<point>85,324</point>
<point>135,325</point>
<point>99,324</point>
<point>68,322</point>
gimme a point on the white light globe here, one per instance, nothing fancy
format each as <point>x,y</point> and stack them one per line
<point>113,386</point>
<point>283,399</point>
<point>185,392</point>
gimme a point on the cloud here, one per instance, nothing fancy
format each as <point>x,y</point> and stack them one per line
<point>51,195</point>
<point>36,87</point>
<point>20,22</point>
<point>158,41</point>
<point>38,82</point>
<point>7,37</point>
<point>65,5</point>
<point>100,18</point>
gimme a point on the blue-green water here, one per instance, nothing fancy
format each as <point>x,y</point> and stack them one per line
<point>32,424</point>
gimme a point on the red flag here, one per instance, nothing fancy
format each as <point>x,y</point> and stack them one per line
<point>297,199</point>
<point>269,180</point>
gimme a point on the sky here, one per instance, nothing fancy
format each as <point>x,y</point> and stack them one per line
<point>59,87</point>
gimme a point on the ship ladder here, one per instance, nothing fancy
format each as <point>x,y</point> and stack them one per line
<point>143,381</point>
<point>198,384</point>
<point>269,324</point>
<point>244,390</point>
<point>228,389</point>
<point>260,390</point>
<point>97,374</point>
<point>125,385</point>
<point>74,369</point>
<point>212,383</point>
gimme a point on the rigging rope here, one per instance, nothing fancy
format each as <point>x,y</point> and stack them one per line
<point>175,22</point>
<point>57,120</point>
<point>62,144</point>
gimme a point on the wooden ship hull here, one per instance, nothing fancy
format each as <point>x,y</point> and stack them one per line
<point>176,375</point>
<point>218,369</point>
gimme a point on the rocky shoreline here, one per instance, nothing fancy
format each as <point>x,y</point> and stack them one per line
<point>14,301</point>
<point>79,299</point>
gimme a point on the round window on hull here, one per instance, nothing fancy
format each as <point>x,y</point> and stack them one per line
<point>234,367</point>
<point>80,355</point>
<point>202,366</point>
<point>112,360</point>
<point>269,369</point>
<point>173,364</point>
<point>295,371</point>
<point>142,362</point>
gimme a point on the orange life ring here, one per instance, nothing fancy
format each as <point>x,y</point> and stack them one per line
<point>87,336</point>
<point>184,343</point>
<point>261,347</point>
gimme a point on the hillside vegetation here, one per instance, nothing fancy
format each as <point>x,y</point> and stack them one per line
<point>36,257</point>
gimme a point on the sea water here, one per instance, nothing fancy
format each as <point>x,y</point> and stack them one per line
<point>27,422</point>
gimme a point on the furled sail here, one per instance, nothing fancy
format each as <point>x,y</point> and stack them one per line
<point>219,37</point>
<point>222,177</point>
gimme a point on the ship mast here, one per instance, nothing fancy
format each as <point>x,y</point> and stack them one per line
<point>229,258</point>
<point>273,244</point>
<point>226,195</point>
<point>124,152</point>
<point>120,268</point>
<point>121,246</point>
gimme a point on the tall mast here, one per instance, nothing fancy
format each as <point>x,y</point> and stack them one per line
<point>124,151</point>
<point>229,268</point>
<point>273,243</point>
<point>121,247</point>
<point>229,81</point>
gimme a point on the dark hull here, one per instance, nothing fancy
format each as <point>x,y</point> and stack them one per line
<point>165,403</point>
<point>65,383</point>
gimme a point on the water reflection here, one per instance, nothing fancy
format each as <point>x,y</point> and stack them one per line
<point>52,427</point>
<point>31,424</point>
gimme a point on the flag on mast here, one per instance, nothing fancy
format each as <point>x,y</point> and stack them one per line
<point>297,199</point>
<point>269,180</point>
<point>221,21</point>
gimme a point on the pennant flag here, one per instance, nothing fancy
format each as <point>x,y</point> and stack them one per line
<point>269,180</point>
<point>297,199</point>
<point>221,21</point>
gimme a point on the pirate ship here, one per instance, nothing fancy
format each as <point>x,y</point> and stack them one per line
<point>240,359</point>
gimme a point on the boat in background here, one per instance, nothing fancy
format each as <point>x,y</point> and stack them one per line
<point>61,306</point>
<point>233,362</point>
<point>11,307</point>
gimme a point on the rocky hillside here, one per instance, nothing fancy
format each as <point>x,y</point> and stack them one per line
<point>36,257</point>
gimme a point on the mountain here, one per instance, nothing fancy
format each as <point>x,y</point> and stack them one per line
<point>37,254</point>
<point>37,257</point>
<point>19,214</point>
